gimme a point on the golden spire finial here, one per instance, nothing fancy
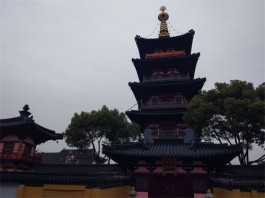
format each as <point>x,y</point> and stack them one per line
<point>163,17</point>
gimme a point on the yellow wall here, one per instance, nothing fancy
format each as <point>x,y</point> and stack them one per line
<point>236,193</point>
<point>71,191</point>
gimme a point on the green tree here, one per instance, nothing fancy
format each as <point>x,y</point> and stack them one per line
<point>87,128</point>
<point>232,113</point>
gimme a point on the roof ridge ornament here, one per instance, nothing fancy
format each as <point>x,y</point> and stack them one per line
<point>163,17</point>
<point>25,113</point>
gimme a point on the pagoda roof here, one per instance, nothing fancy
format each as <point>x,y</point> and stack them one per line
<point>188,88</point>
<point>93,175</point>
<point>209,153</point>
<point>142,117</point>
<point>181,42</point>
<point>24,127</point>
<point>184,63</point>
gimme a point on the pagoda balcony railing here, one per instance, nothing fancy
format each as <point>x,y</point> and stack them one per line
<point>162,105</point>
<point>166,78</point>
<point>20,157</point>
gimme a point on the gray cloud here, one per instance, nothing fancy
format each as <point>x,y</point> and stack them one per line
<point>62,57</point>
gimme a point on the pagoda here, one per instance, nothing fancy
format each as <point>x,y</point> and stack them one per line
<point>166,73</point>
<point>169,162</point>
<point>18,140</point>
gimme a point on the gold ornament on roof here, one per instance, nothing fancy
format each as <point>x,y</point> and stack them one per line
<point>163,17</point>
<point>163,8</point>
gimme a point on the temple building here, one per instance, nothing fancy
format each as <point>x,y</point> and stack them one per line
<point>25,173</point>
<point>18,140</point>
<point>167,162</point>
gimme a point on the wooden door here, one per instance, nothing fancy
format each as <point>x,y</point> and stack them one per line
<point>179,186</point>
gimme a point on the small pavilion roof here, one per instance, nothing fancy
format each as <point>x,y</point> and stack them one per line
<point>24,126</point>
<point>182,63</point>
<point>181,42</point>
<point>187,88</point>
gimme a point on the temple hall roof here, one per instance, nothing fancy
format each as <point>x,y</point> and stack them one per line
<point>179,150</point>
<point>211,155</point>
<point>92,175</point>
<point>245,178</point>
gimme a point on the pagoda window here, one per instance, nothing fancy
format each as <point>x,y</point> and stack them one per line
<point>179,99</point>
<point>167,129</point>
<point>27,149</point>
<point>154,99</point>
<point>157,74</point>
<point>172,73</point>
<point>8,147</point>
<point>166,99</point>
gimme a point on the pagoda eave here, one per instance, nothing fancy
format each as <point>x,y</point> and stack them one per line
<point>142,90</point>
<point>174,59</point>
<point>181,42</point>
<point>143,117</point>
<point>186,64</point>
<point>212,155</point>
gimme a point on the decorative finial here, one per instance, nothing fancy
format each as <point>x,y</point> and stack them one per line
<point>25,112</point>
<point>163,17</point>
<point>163,8</point>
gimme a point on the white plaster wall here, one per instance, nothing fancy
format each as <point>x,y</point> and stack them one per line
<point>8,190</point>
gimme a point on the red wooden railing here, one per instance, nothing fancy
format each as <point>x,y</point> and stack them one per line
<point>166,77</point>
<point>160,105</point>
<point>165,53</point>
<point>20,157</point>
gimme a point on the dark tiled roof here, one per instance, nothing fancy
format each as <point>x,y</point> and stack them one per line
<point>189,88</point>
<point>92,175</point>
<point>185,63</point>
<point>241,177</point>
<point>181,150</point>
<point>212,156</point>
<point>82,157</point>
<point>144,116</point>
<point>85,169</point>
<point>26,127</point>
<point>177,42</point>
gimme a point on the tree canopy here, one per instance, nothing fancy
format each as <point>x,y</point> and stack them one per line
<point>233,113</point>
<point>87,128</point>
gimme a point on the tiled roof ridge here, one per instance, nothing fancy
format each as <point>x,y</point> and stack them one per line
<point>81,165</point>
<point>191,32</point>
<point>15,121</point>
<point>61,177</point>
<point>196,144</point>
<point>128,145</point>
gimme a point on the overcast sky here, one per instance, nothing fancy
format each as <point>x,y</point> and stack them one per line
<point>62,57</point>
